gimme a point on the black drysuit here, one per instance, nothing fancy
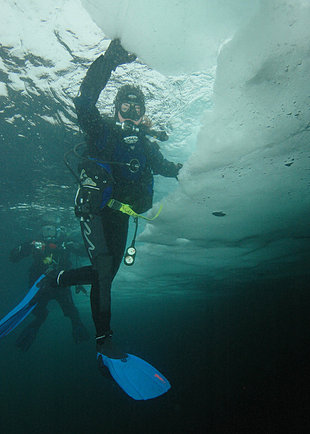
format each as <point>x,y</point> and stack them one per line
<point>47,255</point>
<point>119,164</point>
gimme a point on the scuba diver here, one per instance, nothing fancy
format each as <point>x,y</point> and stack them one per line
<point>49,251</point>
<point>116,180</point>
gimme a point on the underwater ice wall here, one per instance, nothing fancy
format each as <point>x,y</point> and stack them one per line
<point>261,91</point>
<point>175,36</point>
<point>246,186</point>
<point>252,153</point>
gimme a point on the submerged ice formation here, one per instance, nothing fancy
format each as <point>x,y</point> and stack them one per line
<point>241,205</point>
<point>171,37</point>
<point>242,202</point>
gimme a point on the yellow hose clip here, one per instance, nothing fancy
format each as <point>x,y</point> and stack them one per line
<point>126,209</point>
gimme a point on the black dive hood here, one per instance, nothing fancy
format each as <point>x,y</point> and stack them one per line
<point>131,95</point>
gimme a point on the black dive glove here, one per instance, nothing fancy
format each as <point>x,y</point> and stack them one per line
<point>162,136</point>
<point>94,192</point>
<point>117,55</point>
<point>178,167</point>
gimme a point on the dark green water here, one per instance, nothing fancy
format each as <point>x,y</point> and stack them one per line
<point>237,362</point>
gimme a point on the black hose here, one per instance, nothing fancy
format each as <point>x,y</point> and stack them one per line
<point>66,161</point>
<point>136,220</point>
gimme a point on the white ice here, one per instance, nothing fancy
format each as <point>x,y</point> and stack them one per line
<point>251,160</point>
<point>245,144</point>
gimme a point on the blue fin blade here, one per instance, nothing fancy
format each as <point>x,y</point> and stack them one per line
<point>13,321</point>
<point>21,311</point>
<point>136,377</point>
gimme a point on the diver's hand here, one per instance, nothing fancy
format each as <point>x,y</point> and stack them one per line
<point>178,167</point>
<point>87,202</point>
<point>80,288</point>
<point>162,136</point>
<point>117,55</point>
<point>94,191</point>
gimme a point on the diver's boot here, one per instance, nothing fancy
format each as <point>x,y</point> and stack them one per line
<point>106,346</point>
<point>47,286</point>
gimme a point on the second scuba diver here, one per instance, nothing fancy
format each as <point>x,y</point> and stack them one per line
<point>50,250</point>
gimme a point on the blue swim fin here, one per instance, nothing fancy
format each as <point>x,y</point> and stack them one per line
<point>21,311</point>
<point>136,377</point>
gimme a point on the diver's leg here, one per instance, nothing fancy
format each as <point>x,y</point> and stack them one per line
<point>65,301</point>
<point>115,226</point>
<point>101,259</point>
<point>103,241</point>
<point>77,276</point>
